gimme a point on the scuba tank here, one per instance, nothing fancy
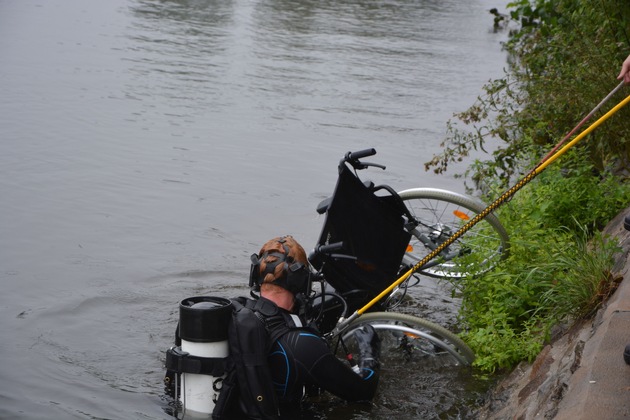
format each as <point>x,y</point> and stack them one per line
<point>199,362</point>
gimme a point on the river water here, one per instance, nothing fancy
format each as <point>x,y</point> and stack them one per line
<point>148,147</point>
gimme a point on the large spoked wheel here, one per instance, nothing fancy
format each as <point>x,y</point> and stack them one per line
<point>407,339</point>
<point>439,214</point>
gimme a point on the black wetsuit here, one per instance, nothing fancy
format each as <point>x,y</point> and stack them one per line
<point>301,357</point>
<point>298,358</point>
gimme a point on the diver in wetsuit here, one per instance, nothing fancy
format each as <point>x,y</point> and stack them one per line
<point>301,357</point>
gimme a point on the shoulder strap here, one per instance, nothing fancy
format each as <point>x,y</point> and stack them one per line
<point>248,340</point>
<point>277,321</point>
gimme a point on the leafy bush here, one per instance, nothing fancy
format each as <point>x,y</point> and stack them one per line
<point>559,266</point>
<point>572,193</point>
<point>564,60</point>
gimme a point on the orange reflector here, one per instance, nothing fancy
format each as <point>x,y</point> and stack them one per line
<point>409,248</point>
<point>461,215</point>
<point>410,335</point>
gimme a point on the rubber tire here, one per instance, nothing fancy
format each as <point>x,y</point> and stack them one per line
<point>438,336</point>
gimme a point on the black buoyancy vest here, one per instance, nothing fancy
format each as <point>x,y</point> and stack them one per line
<point>247,390</point>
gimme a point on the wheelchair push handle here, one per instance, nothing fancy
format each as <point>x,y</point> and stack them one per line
<point>329,249</point>
<point>353,159</point>
<point>360,154</point>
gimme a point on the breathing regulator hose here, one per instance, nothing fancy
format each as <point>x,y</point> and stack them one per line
<point>480,216</point>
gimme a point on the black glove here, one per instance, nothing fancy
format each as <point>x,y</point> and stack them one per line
<point>369,350</point>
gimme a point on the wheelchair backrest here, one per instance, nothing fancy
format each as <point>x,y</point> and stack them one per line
<point>371,227</point>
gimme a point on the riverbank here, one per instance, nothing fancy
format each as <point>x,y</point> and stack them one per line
<point>581,374</point>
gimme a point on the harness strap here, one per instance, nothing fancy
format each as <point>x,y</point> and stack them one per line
<point>182,362</point>
<point>276,322</point>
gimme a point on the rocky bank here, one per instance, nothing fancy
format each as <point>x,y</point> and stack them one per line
<point>582,373</point>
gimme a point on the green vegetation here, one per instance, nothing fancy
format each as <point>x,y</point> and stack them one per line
<point>565,56</point>
<point>559,268</point>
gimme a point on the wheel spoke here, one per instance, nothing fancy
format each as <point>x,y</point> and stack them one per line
<point>439,214</point>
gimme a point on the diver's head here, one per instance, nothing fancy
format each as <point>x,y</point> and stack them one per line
<point>281,262</point>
